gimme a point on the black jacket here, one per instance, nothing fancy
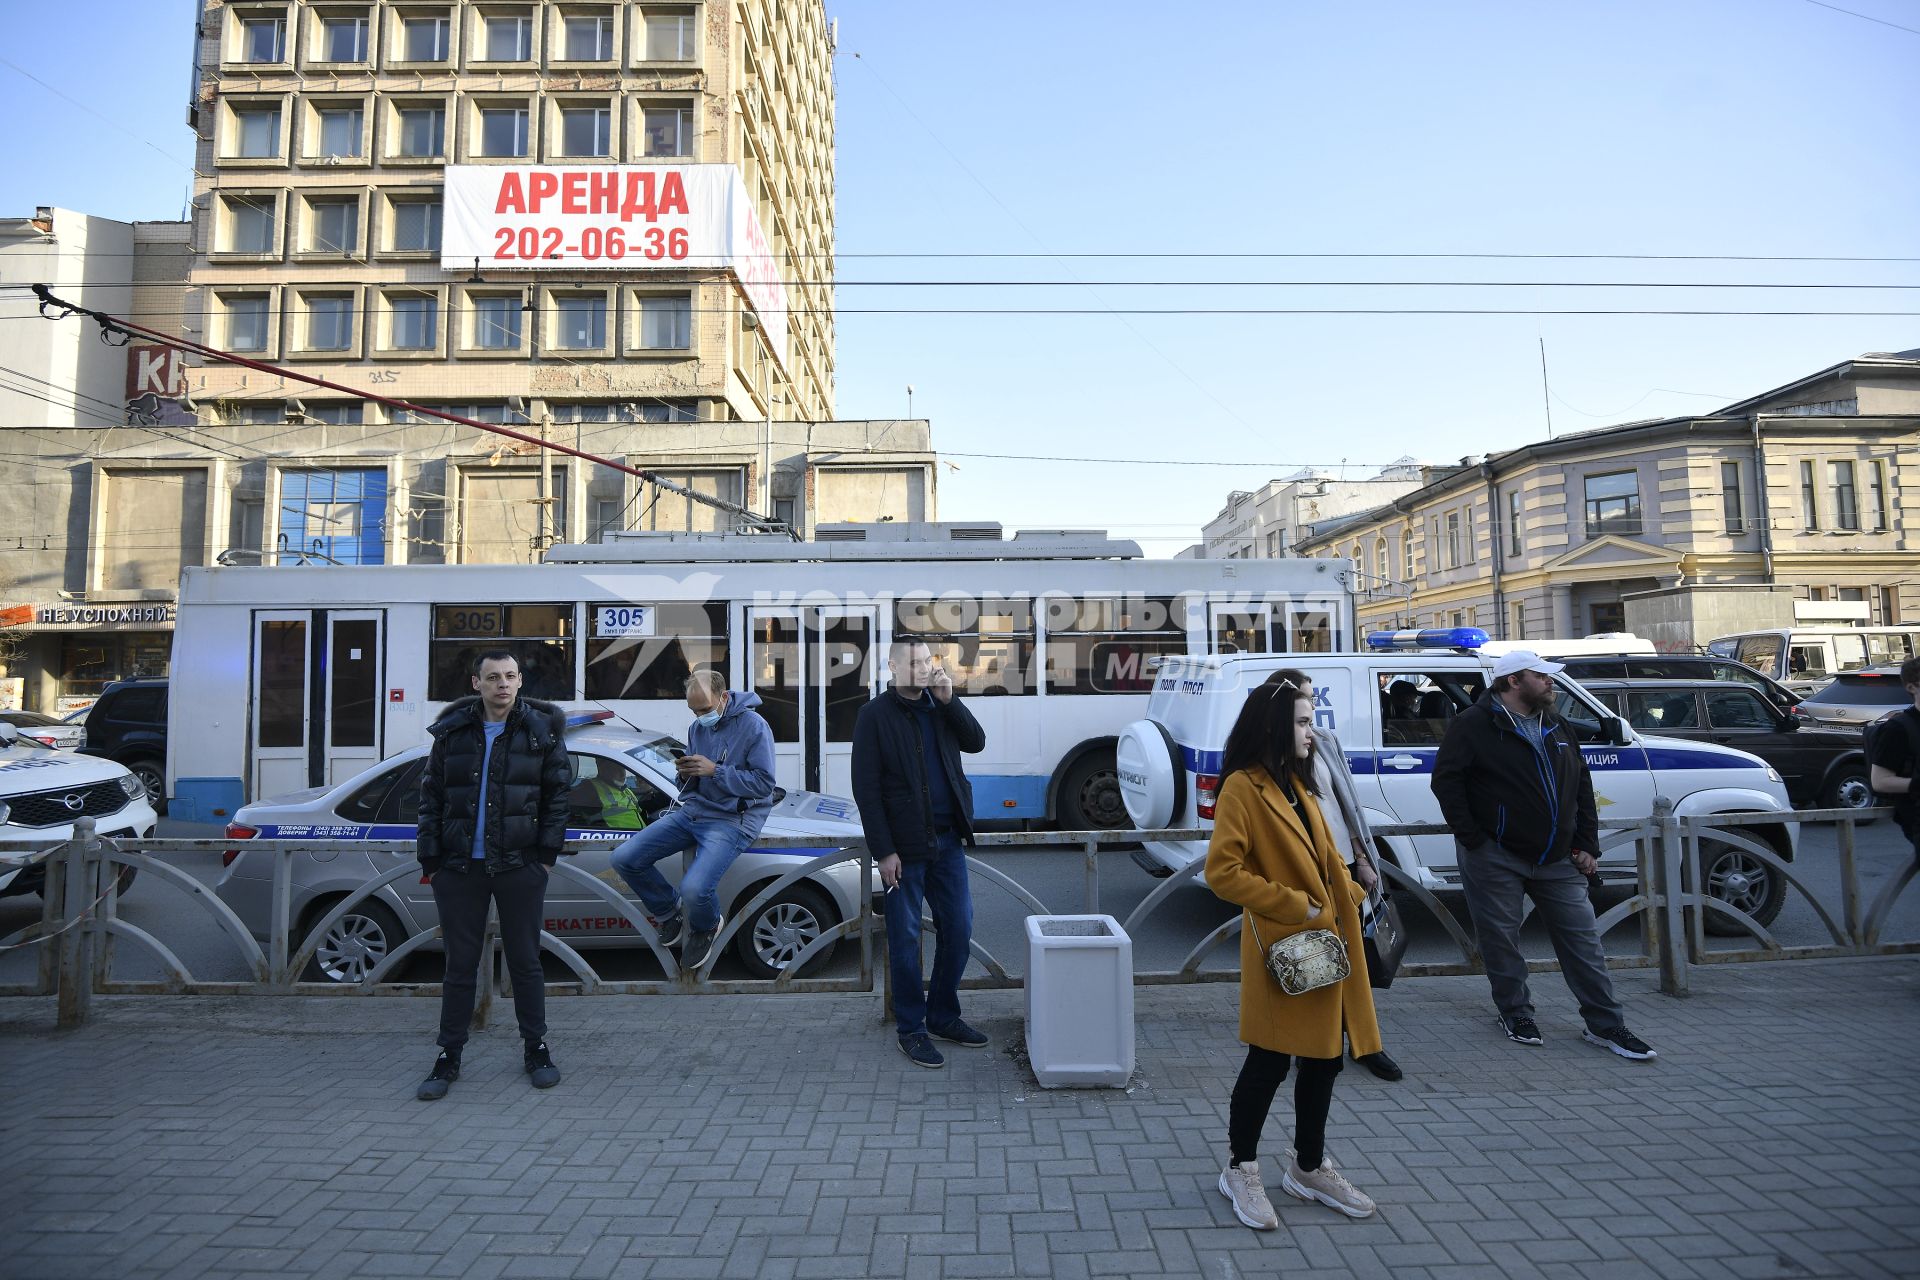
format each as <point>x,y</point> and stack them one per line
<point>527,781</point>
<point>1492,785</point>
<point>890,780</point>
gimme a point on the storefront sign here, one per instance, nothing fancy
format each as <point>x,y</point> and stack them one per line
<point>75,617</point>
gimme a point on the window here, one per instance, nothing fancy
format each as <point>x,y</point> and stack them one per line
<point>414,321</point>
<point>667,131</point>
<point>338,415</point>
<point>1661,710</point>
<point>671,35</point>
<point>1418,705</point>
<point>608,796</point>
<point>1453,540</point>
<point>1380,561</point>
<point>666,321</point>
<point>501,512</point>
<point>1809,499</point>
<point>1884,647</point>
<point>1846,511</point>
<point>1613,503</point>
<point>588,37</point>
<point>246,322</point>
<point>340,131</point>
<point>667,510</point>
<point>416,225</point>
<point>1110,644</point>
<point>683,637</point>
<point>1519,620</point>
<point>986,645</point>
<point>1608,617</point>
<point>329,322</point>
<point>343,39</point>
<point>496,322</point>
<point>250,224</point>
<point>263,39</point>
<point>1877,497</point>
<point>503,131</point>
<point>341,515</point>
<point>426,38</point>
<point>586,131</point>
<point>423,132</point>
<point>539,635</point>
<point>1406,555</point>
<point>1513,522</point>
<point>257,132</point>
<point>1739,709</point>
<point>152,522</point>
<point>1849,651</point>
<point>580,322</point>
<point>1731,508</point>
<point>335,226</point>
<point>509,37</point>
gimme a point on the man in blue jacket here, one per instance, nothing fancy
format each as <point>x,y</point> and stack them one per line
<point>916,807</point>
<point>726,791</point>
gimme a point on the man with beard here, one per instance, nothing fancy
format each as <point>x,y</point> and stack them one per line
<point>1517,795</point>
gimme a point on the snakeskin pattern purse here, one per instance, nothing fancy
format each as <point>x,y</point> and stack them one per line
<point>1305,961</point>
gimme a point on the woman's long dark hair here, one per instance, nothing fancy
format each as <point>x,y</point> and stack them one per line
<point>1263,735</point>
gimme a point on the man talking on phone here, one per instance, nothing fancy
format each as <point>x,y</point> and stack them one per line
<point>916,807</point>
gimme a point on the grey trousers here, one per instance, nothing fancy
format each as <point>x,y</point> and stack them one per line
<point>1497,884</point>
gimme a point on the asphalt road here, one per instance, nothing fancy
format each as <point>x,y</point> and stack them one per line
<point>1055,876</point>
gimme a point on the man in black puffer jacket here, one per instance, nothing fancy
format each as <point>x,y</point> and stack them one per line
<point>493,817</point>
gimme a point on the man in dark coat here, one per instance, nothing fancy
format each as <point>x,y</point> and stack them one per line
<point>916,807</point>
<point>493,817</point>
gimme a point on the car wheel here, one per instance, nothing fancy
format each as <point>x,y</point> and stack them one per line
<point>1849,789</point>
<point>356,944</point>
<point>1743,882</point>
<point>783,928</point>
<point>1090,798</point>
<point>153,776</point>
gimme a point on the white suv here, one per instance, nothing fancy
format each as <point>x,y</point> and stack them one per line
<point>1390,707</point>
<point>42,791</point>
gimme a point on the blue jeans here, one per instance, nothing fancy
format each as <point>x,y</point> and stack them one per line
<point>716,843</point>
<point>941,883</point>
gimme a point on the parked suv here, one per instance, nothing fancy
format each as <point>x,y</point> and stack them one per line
<point>1822,768</point>
<point>1588,668</point>
<point>129,725</point>
<point>1856,699</point>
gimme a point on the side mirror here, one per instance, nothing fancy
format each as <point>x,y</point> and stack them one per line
<point>1788,724</point>
<point>1616,731</point>
<point>8,734</point>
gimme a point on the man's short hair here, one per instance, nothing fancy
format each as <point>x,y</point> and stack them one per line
<point>902,650</point>
<point>1501,684</point>
<point>1910,671</point>
<point>709,679</point>
<point>495,655</point>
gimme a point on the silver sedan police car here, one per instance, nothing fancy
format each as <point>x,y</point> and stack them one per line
<point>622,779</point>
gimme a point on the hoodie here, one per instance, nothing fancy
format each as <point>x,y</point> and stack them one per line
<point>741,748</point>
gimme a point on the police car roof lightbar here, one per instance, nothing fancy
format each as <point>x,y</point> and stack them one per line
<point>1430,638</point>
<point>577,718</point>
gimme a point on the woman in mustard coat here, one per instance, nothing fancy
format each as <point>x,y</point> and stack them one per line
<point>1271,854</point>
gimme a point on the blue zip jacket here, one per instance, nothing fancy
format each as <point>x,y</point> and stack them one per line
<point>1492,785</point>
<point>741,748</point>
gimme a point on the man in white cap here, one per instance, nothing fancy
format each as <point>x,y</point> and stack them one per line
<point>1518,796</point>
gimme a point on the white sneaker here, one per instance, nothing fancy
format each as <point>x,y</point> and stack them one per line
<point>1326,1185</point>
<point>1241,1185</point>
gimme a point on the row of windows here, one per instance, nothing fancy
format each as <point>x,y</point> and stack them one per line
<point>430,35</point>
<point>335,322</point>
<point>254,223</point>
<point>355,412</point>
<point>492,126</point>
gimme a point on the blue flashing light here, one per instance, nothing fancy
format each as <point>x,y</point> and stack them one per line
<point>577,718</point>
<point>1430,638</point>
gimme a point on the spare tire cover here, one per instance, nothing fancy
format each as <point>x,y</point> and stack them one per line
<point>1153,780</point>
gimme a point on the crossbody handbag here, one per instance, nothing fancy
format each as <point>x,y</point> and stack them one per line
<point>1305,961</point>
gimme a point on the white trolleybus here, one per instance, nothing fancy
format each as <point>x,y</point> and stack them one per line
<point>290,677</point>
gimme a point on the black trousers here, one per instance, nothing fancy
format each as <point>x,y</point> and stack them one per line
<point>462,899</point>
<point>1260,1078</point>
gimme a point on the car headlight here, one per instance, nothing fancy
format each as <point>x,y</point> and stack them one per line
<point>6,813</point>
<point>1773,774</point>
<point>131,785</point>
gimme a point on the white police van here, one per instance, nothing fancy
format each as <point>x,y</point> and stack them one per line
<point>1390,707</point>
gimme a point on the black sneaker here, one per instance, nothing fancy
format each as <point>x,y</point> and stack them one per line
<point>920,1049</point>
<point>539,1065</point>
<point>446,1069</point>
<point>699,945</point>
<point>961,1033</point>
<point>1622,1042</point>
<point>1521,1030</point>
<point>671,928</point>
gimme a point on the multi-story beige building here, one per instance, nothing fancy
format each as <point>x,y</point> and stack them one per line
<point>1262,524</point>
<point>1686,527</point>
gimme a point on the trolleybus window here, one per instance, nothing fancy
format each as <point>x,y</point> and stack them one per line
<point>646,652</point>
<point>539,635</point>
<point>986,645</point>
<point>1109,644</point>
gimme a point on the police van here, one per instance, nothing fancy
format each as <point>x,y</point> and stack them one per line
<point>1390,706</point>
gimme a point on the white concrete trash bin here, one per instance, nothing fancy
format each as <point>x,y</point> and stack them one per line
<point>1079,1001</point>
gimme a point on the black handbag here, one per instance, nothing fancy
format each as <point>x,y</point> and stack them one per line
<point>1384,940</point>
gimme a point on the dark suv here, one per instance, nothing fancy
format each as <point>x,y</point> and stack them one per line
<point>1822,768</point>
<point>129,724</point>
<point>1588,667</point>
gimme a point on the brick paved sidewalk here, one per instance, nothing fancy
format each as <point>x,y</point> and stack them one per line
<point>1779,1135</point>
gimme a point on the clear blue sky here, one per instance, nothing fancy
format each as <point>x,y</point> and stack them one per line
<point>1768,127</point>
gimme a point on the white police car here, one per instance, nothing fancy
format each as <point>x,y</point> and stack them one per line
<point>1390,706</point>
<point>42,792</point>
<point>621,777</point>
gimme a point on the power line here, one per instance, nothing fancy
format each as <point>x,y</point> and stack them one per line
<point>1174,311</point>
<point>550,283</point>
<point>1865,17</point>
<point>1249,256</point>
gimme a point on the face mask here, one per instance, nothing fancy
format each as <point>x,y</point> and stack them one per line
<point>708,720</point>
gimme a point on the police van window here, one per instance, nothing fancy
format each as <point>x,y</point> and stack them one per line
<point>1243,630</point>
<point>986,645</point>
<point>608,796</point>
<point>402,804</point>
<point>1885,647</point>
<point>539,635</point>
<point>1416,706</point>
<point>1110,644</point>
<point>1309,629</point>
<point>645,652</point>
<point>1806,660</point>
